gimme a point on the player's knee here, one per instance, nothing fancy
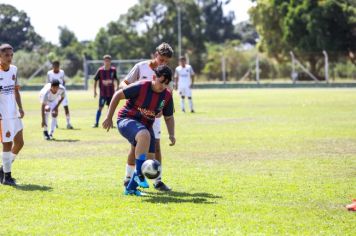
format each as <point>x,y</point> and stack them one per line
<point>47,108</point>
<point>182,97</point>
<point>143,135</point>
<point>54,114</point>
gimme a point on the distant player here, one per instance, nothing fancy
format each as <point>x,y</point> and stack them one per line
<point>58,74</point>
<point>184,80</point>
<point>51,96</point>
<point>145,99</point>
<point>105,76</point>
<point>10,117</point>
<point>145,71</point>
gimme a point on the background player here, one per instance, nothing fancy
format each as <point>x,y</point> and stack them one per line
<point>51,96</point>
<point>145,71</point>
<point>106,75</point>
<point>11,133</point>
<point>146,99</point>
<point>58,74</point>
<point>184,80</point>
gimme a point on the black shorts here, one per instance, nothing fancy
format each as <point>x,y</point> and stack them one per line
<point>104,100</point>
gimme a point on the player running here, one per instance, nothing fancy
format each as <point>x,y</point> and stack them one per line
<point>145,71</point>
<point>11,127</point>
<point>145,99</point>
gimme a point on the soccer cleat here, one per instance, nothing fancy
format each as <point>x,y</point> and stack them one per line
<point>352,206</point>
<point>95,126</point>
<point>135,192</point>
<point>8,180</point>
<point>192,111</point>
<point>141,181</point>
<point>1,174</point>
<point>69,126</point>
<point>183,110</point>
<point>46,135</point>
<point>160,186</point>
<point>51,137</point>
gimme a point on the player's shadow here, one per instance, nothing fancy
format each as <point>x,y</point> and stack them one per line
<point>181,197</point>
<point>65,140</point>
<point>33,187</point>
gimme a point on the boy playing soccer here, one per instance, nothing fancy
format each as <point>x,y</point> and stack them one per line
<point>145,99</point>
<point>51,96</point>
<point>10,117</point>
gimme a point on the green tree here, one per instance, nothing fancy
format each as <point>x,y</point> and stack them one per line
<point>16,28</point>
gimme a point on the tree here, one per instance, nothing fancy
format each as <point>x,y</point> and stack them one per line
<point>16,28</point>
<point>66,36</point>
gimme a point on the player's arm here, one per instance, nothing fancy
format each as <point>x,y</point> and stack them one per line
<point>18,101</point>
<point>169,120</point>
<point>117,80</point>
<point>96,78</point>
<point>176,78</point>
<point>118,95</point>
<point>131,77</point>
<point>192,74</point>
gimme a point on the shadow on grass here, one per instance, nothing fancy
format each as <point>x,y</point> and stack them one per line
<point>181,197</point>
<point>65,140</point>
<point>33,187</point>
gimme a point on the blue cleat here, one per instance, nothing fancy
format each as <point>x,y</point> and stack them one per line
<point>141,181</point>
<point>135,192</point>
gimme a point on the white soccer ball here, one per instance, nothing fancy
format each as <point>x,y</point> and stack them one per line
<point>151,169</point>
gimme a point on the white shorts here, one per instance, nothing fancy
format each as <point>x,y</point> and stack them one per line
<point>9,128</point>
<point>65,101</point>
<point>184,91</point>
<point>52,105</point>
<point>157,128</point>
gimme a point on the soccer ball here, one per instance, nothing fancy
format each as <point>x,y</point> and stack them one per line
<point>151,169</point>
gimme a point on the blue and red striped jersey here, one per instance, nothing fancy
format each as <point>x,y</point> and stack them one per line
<point>106,81</point>
<point>143,104</point>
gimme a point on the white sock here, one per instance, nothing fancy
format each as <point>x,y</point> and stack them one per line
<point>182,104</point>
<point>190,104</point>
<point>6,161</point>
<point>46,120</point>
<point>13,157</point>
<point>130,169</point>
<point>53,125</point>
<point>68,119</point>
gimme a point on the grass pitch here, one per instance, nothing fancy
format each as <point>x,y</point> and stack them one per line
<point>247,162</point>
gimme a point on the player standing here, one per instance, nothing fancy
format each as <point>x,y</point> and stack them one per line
<point>184,80</point>
<point>58,74</point>
<point>11,126</point>
<point>51,96</point>
<point>145,71</point>
<point>106,75</point>
<point>145,99</point>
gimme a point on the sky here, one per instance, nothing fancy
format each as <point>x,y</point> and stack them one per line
<point>85,18</point>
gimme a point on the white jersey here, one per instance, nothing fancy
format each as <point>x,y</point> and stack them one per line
<point>47,97</point>
<point>59,76</point>
<point>8,84</point>
<point>184,75</point>
<point>140,71</point>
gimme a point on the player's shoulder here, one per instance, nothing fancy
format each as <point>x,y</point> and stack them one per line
<point>143,64</point>
<point>13,67</point>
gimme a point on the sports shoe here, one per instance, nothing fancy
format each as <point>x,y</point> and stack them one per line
<point>192,111</point>
<point>135,192</point>
<point>95,126</point>
<point>141,181</point>
<point>51,137</point>
<point>160,186</point>
<point>183,110</point>
<point>352,206</point>
<point>69,126</point>
<point>1,174</point>
<point>46,135</point>
<point>8,180</point>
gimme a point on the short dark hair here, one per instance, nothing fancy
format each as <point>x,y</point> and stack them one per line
<point>55,63</point>
<point>107,56</point>
<point>164,49</point>
<point>5,46</point>
<point>55,83</point>
<point>182,58</point>
<point>165,71</point>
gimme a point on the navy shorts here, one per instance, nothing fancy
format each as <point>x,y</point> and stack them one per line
<point>129,128</point>
<point>104,100</point>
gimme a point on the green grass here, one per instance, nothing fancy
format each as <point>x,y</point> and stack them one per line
<point>263,162</point>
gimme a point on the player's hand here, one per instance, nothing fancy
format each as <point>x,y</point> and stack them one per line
<point>159,114</point>
<point>107,124</point>
<point>22,113</point>
<point>43,124</point>
<point>173,140</point>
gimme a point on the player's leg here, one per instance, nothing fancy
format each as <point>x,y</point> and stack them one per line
<point>102,101</point>
<point>190,101</point>
<point>130,166</point>
<point>7,135</point>
<point>65,105</point>
<point>45,128</point>
<point>159,184</point>
<point>182,101</point>
<point>54,114</point>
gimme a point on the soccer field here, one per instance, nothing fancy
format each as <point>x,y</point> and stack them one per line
<point>268,161</point>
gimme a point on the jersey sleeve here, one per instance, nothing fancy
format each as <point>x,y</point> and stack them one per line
<point>97,75</point>
<point>133,75</point>
<point>169,108</point>
<point>44,97</point>
<point>132,91</point>
<point>115,74</point>
<point>191,71</point>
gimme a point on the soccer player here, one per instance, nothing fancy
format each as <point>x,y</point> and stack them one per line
<point>106,75</point>
<point>145,99</point>
<point>184,80</point>
<point>10,116</point>
<point>145,71</point>
<point>51,96</point>
<point>58,74</point>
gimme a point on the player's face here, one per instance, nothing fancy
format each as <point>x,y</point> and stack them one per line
<point>6,57</point>
<point>54,89</point>
<point>107,62</point>
<point>160,84</point>
<point>161,60</point>
<point>183,62</point>
<point>55,68</point>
